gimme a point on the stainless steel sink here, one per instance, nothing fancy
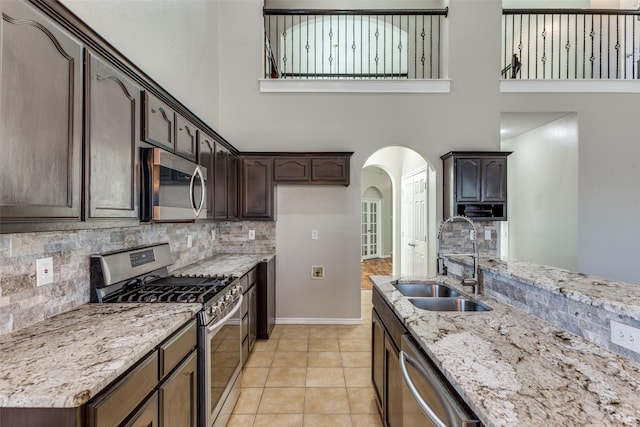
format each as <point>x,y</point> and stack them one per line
<point>433,290</point>
<point>448,304</point>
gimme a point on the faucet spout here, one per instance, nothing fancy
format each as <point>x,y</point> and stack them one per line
<point>473,280</point>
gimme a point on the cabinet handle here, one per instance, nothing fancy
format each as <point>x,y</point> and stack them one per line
<point>197,173</point>
<point>404,359</point>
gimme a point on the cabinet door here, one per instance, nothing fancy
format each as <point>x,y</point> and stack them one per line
<point>232,187</point>
<point>252,314</point>
<point>266,298</point>
<point>494,180</point>
<point>158,122</point>
<point>393,385</point>
<point>206,156</point>
<point>330,170</point>
<point>178,396</point>
<point>186,141</point>
<point>377,357</point>
<point>257,188</point>
<point>291,169</point>
<point>147,416</point>
<point>220,182</point>
<point>40,118</point>
<point>112,140</point>
<point>468,179</point>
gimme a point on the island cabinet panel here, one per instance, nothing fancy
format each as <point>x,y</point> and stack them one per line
<point>331,170</point>
<point>291,170</point>
<point>40,118</point>
<point>475,185</point>
<point>257,188</point>
<point>186,138</point>
<point>159,122</point>
<point>377,357</point>
<point>112,129</point>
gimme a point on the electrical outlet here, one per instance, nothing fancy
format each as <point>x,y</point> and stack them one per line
<point>625,336</point>
<point>213,234</point>
<point>472,235</point>
<point>252,234</point>
<point>44,271</point>
<point>189,241</point>
<point>314,234</point>
<point>317,272</point>
<point>487,234</point>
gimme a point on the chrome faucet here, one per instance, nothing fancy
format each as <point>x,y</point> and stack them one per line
<point>472,281</point>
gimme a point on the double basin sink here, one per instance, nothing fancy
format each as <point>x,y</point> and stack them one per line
<point>435,296</point>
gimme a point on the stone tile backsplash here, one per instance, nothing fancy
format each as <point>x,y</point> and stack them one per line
<point>455,237</point>
<point>22,303</point>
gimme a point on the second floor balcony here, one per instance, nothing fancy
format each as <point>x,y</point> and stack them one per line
<point>374,44</point>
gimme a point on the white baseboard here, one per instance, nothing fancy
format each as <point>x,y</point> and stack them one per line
<point>317,321</point>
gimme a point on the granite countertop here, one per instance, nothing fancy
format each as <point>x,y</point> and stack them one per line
<point>66,360</point>
<point>513,368</point>
<point>618,297</point>
<point>235,264</point>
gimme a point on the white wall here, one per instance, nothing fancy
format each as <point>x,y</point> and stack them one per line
<point>468,118</point>
<point>543,194</point>
<point>174,42</point>
<point>334,213</point>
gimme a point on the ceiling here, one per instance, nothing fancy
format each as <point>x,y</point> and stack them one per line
<point>514,124</point>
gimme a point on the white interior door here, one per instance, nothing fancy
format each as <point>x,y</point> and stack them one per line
<point>414,225</point>
<point>370,228</point>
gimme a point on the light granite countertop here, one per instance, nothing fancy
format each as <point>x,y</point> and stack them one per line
<point>513,368</point>
<point>618,297</point>
<point>66,360</point>
<point>235,264</point>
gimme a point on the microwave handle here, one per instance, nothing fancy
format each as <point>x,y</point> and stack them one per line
<point>404,359</point>
<point>198,209</point>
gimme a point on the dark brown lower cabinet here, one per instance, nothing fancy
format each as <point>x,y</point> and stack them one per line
<point>147,415</point>
<point>266,298</point>
<point>386,332</point>
<point>178,395</point>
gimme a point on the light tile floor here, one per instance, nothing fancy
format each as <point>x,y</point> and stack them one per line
<point>310,375</point>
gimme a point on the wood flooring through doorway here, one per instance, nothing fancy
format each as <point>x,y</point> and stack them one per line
<point>374,267</point>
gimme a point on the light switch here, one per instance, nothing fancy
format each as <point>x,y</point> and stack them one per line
<point>314,234</point>
<point>252,234</point>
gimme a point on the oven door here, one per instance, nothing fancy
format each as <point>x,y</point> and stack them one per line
<point>220,367</point>
<point>172,188</point>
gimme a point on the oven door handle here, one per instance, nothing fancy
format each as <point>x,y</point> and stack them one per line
<point>404,359</point>
<point>221,322</point>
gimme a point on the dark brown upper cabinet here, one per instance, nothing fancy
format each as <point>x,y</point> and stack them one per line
<point>186,139</point>
<point>41,120</point>
<point>294,170</point>
<point>475,185</point>
<point>330,170</point>
<point>257,189</point>
<point>112,134</point>
<point>158,122</point>
<point>311,168</point>
<point>222,177</point>
<point>220,184</point>
<point>232,187</point>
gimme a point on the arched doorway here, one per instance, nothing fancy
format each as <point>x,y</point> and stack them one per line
<point>404,182</point>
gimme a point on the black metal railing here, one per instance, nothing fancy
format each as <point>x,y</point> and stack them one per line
<point>353,44</point>
<point>570,44</point>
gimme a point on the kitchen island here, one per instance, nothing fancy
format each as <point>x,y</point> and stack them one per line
<point>513,368</point>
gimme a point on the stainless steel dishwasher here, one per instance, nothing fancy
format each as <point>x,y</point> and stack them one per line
<point>427,398</point>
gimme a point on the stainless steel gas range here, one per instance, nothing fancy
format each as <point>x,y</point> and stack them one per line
<point>140,275</point>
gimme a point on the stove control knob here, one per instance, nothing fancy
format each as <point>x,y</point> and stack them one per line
<point>220,306</point>
<point>228,297</point>
<point>238,289</point>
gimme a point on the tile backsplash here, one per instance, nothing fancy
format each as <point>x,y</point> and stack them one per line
<point>455,237</point>
<point>22,303</point>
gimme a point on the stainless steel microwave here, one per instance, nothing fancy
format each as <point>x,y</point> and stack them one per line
<point>172,188</point>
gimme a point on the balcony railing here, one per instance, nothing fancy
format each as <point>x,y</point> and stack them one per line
<point>353,44</point>
<point>570,44</point>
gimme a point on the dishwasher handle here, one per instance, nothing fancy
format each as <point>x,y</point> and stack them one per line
<point>404,359</point>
